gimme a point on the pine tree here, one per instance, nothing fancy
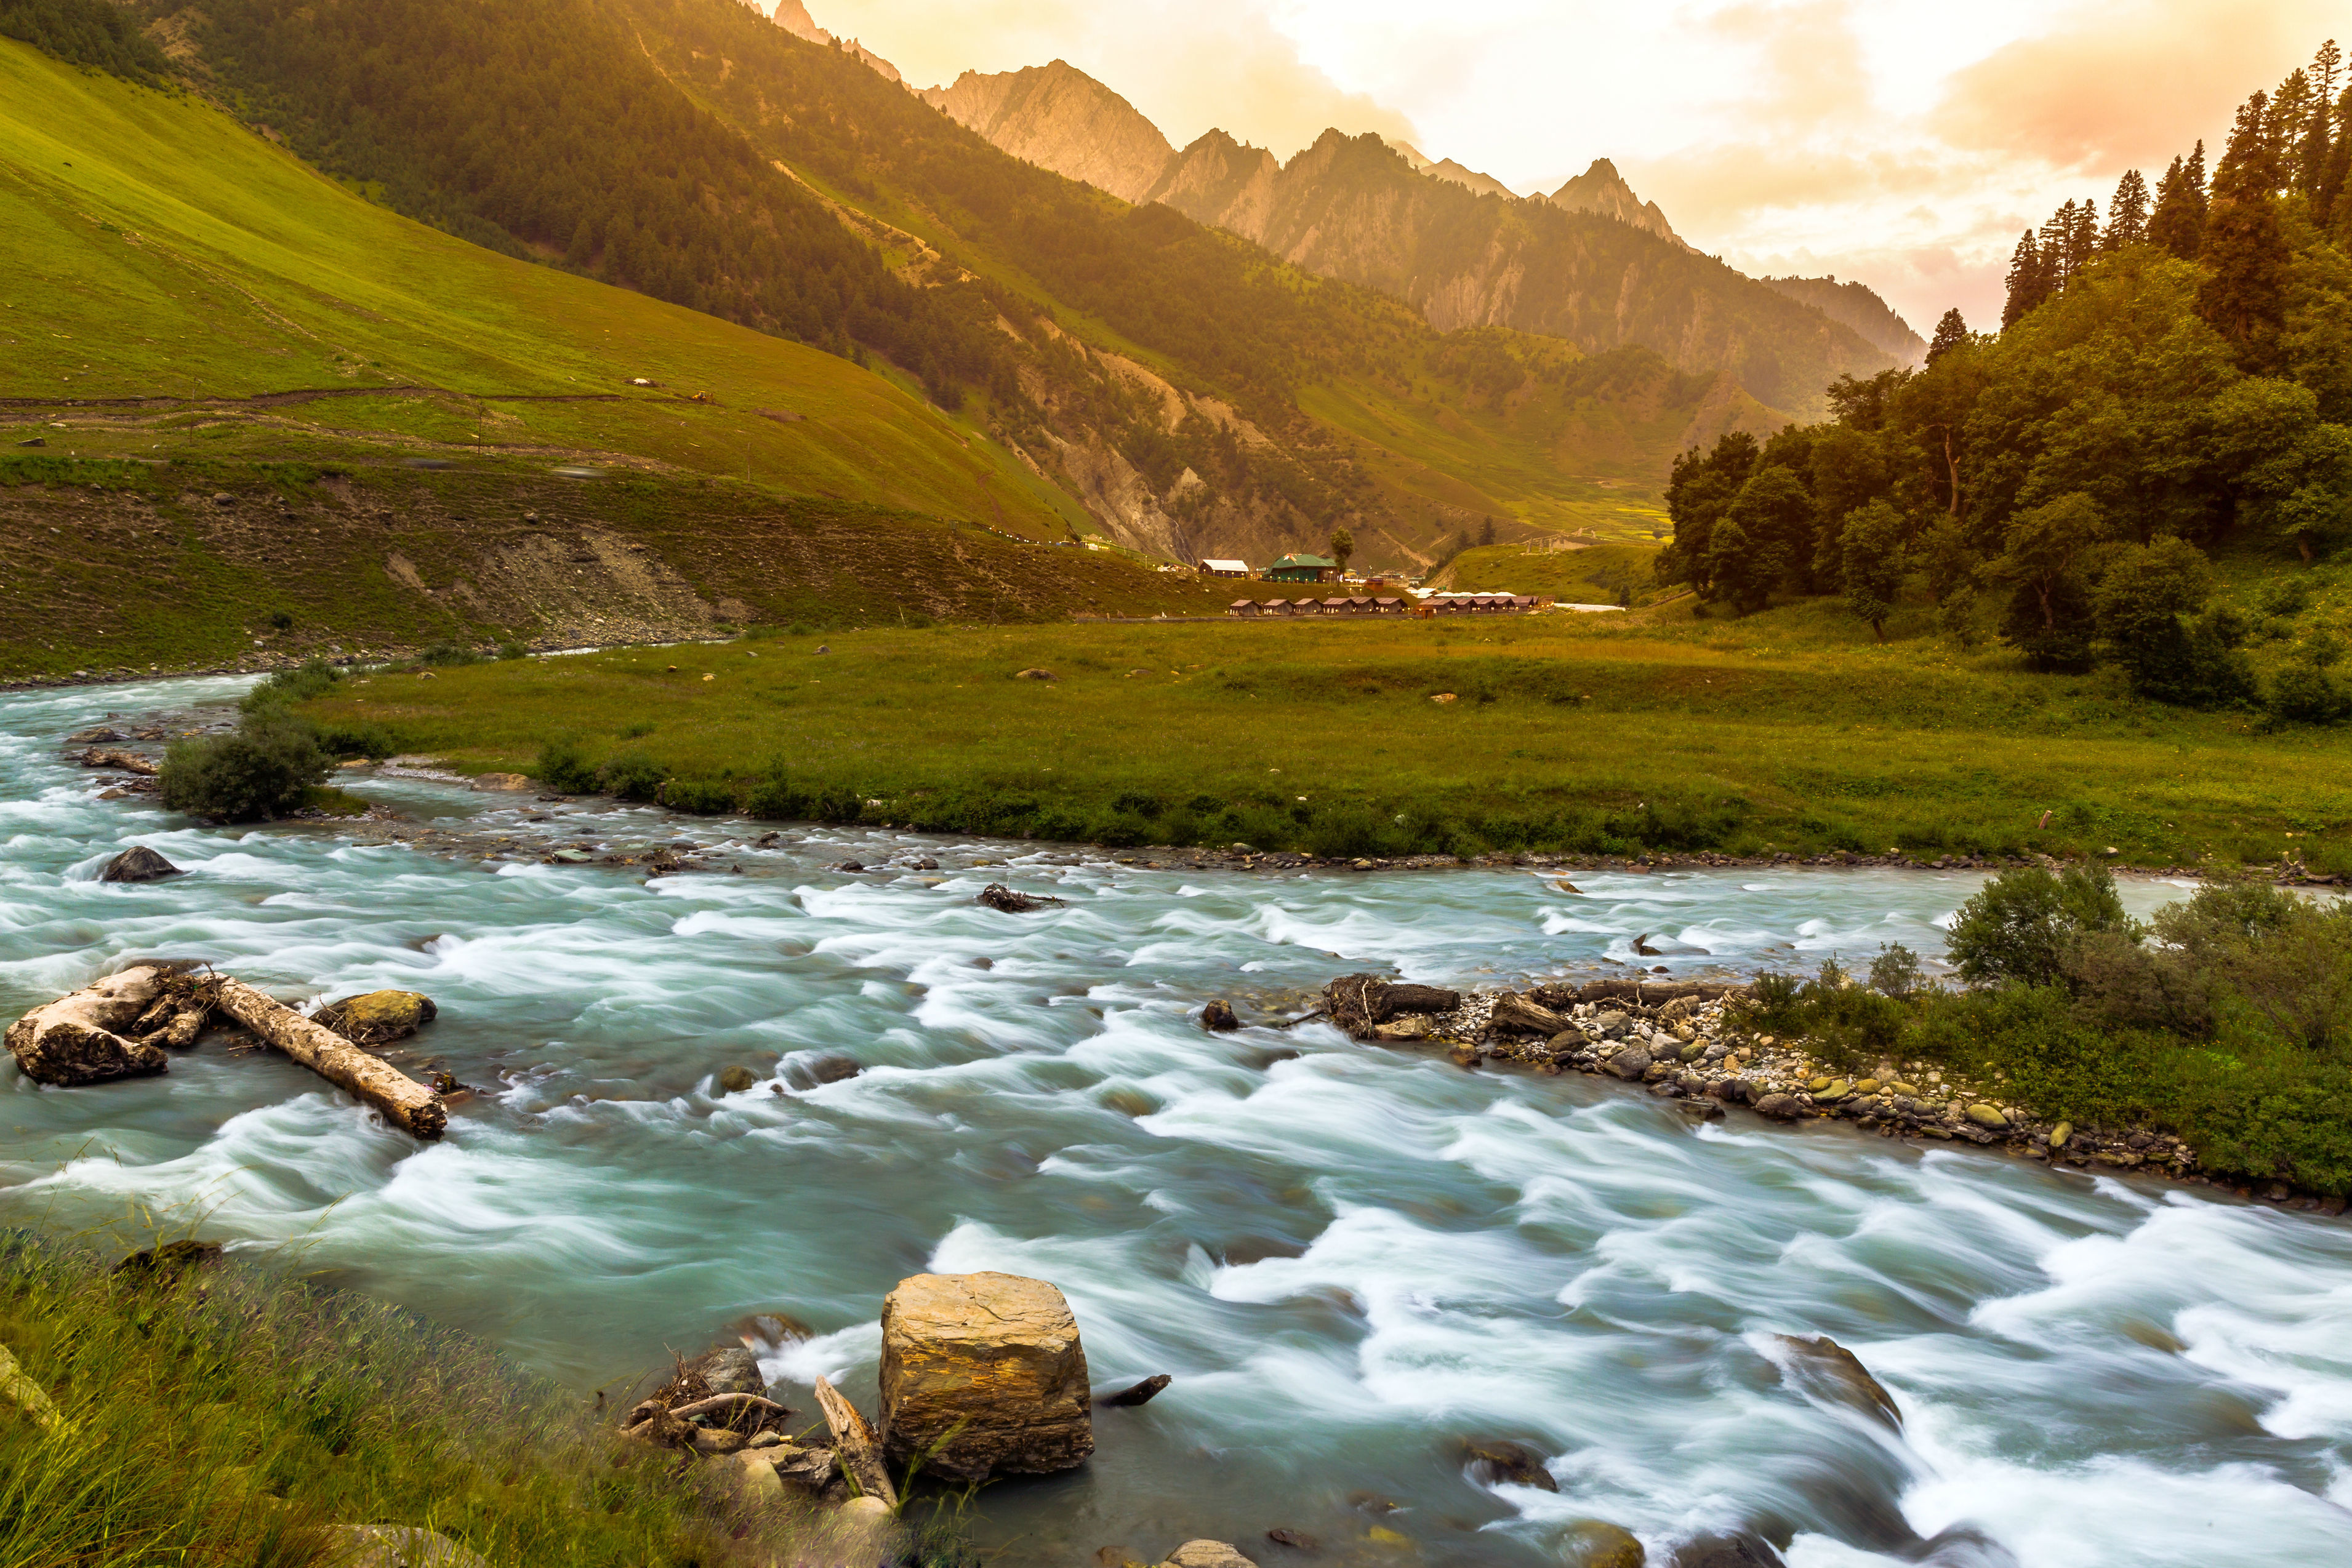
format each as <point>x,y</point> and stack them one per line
<point>1950,333</point>
<point>2029,282</point>
<point>2056,244</point>
<point>2244,295</point>
<point>2196,178</point>
<point>2127,213</point>
<point>2325,201</point>
<point>2177,227</point>
<point>2318,150</point>
<point>2081,237</point>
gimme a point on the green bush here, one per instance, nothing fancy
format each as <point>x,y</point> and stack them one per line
<point>255,774</point>
<point>2303,692</point>
<point>2022,923</point>
<point>699,797</point>
<point>357,740</point>
<point>313,678</point>
<point>565,769</point>
<point>451,656</point>
<point>774,798</point>
<point>631,776</point>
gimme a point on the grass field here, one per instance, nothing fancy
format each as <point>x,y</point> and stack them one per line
<point>242,1419</point>
<point>1593,575</point>
<point>1789,731</point>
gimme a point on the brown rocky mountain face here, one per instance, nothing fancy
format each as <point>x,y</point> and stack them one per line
<point>1860,308</point>
<point>1592,262</point>
<point>1353,208</point>
<point>1059,118</point>
<point>1603,193</point>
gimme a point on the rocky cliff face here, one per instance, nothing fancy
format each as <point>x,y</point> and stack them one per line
<point>793,17</point>
<point>1603,193</point>
<point>1859,307</point>
<point>1354,208</point>
<point>1059,118</point>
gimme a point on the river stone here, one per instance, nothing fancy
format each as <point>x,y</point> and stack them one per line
<point>995,1352</point>
<point>1836,1088</point>
<point>805,1469</point>
<point>1627,1064</point>
<point>1836,1372</point>
<point>378,1016</point>
<point>1597,1543</point>
<point>137,864</point>
<point>1780,1107</point>
<point>735,1080</point>
<point>1989,1118</point>
<point>1611,1025</point>
<point>1499,1460</point>
<point>731,1370</point>
<point>1220,1018</point>
<point>1208,1554</point>
<point>495,782</point>
<point>2060,1134</point>
<point>1740,1551</point>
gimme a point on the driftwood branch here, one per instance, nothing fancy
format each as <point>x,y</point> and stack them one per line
<point>852,1439</point>
<point>406,1103</point>
<point>734,1405</point>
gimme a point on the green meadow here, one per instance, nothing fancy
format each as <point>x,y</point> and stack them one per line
<point>1787,731</point>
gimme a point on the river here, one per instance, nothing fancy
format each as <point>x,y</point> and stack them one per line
<point>1349,1259</point>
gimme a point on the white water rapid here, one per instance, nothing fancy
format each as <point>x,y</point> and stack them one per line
<point>1350,1258</point>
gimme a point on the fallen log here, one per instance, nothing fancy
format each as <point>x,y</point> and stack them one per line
<point>853,1440</point>
<point>94,757</point>
<point>86,1037</point>
<point>406,1103</point>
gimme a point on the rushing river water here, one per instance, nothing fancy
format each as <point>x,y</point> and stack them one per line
<point>1350,1258</point>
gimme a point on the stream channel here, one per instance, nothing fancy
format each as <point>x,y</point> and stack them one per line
<point>1350,1258</point>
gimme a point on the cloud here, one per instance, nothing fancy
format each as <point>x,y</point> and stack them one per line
<point>2129,83</point>
<point>1187,66</point>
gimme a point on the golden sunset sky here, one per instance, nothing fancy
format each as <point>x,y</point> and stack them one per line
<point>1903,143</point>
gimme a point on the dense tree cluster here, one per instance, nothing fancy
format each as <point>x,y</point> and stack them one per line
<point>86,33</point>
<point>2159,386</point>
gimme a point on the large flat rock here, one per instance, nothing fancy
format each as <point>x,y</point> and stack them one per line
<point>996,1352</point>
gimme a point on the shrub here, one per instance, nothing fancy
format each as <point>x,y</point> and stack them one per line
<point>2303,692</point>
<point>631,776</point>
<point>563,767</point>
<point>2022,923</point>
<point>356,740</point>
<point>313,678</point>
<point>449,656</point>
<point>513,651</point>
<point>1896,973</point>
<point>255,774</point>
<point>699,797</point>
<point>774,798</point>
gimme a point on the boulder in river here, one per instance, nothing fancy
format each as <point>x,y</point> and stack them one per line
<point>735,1080</point>
<point>1497,1461</point>
<point>1828,1369</point>
<point>997,1353</point>
<point>731,1369</point>
<point>1739,1550</point>
<point>379,1018</point>
<point>74,1039</point>
<point>137,864</point>
<point>1219,1016</point>
<point>1781,1107</point>
<point>1597,1543</point>
<point>996,896</point>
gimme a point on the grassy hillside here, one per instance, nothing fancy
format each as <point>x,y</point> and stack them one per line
<point>161,252</point>
<point>1586,733</point>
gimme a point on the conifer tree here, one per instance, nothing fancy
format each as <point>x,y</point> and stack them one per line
<point>1950,333</point>
<point>2127,213</point>
<point>2056,245</point>
<point>2081,237</point>
<point>2029,281</point>
<point>2244,295</point>
<point>2317,149</point>
<point>2177,227</point>
<point>2325,201</point>
<point>2196,176</point>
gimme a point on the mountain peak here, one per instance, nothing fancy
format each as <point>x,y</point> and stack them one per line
<point>793,16</point>
<point>1601,191</point>
<point>1059,118</point>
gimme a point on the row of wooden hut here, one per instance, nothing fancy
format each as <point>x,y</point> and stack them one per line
<point>1364,604</point>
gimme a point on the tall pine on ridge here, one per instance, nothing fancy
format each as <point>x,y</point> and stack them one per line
<point>2244,295</point>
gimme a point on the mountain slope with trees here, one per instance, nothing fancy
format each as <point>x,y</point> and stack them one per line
<point>2169,386</point>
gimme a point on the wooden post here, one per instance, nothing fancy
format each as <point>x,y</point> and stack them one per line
<point>406,1103</point>
<point>861,1455</point>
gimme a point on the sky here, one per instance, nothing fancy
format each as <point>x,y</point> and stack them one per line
<point>1903,143</point>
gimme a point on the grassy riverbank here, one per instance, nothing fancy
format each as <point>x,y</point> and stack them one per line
<point>1754,736</point>
<point>231,1417</point>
